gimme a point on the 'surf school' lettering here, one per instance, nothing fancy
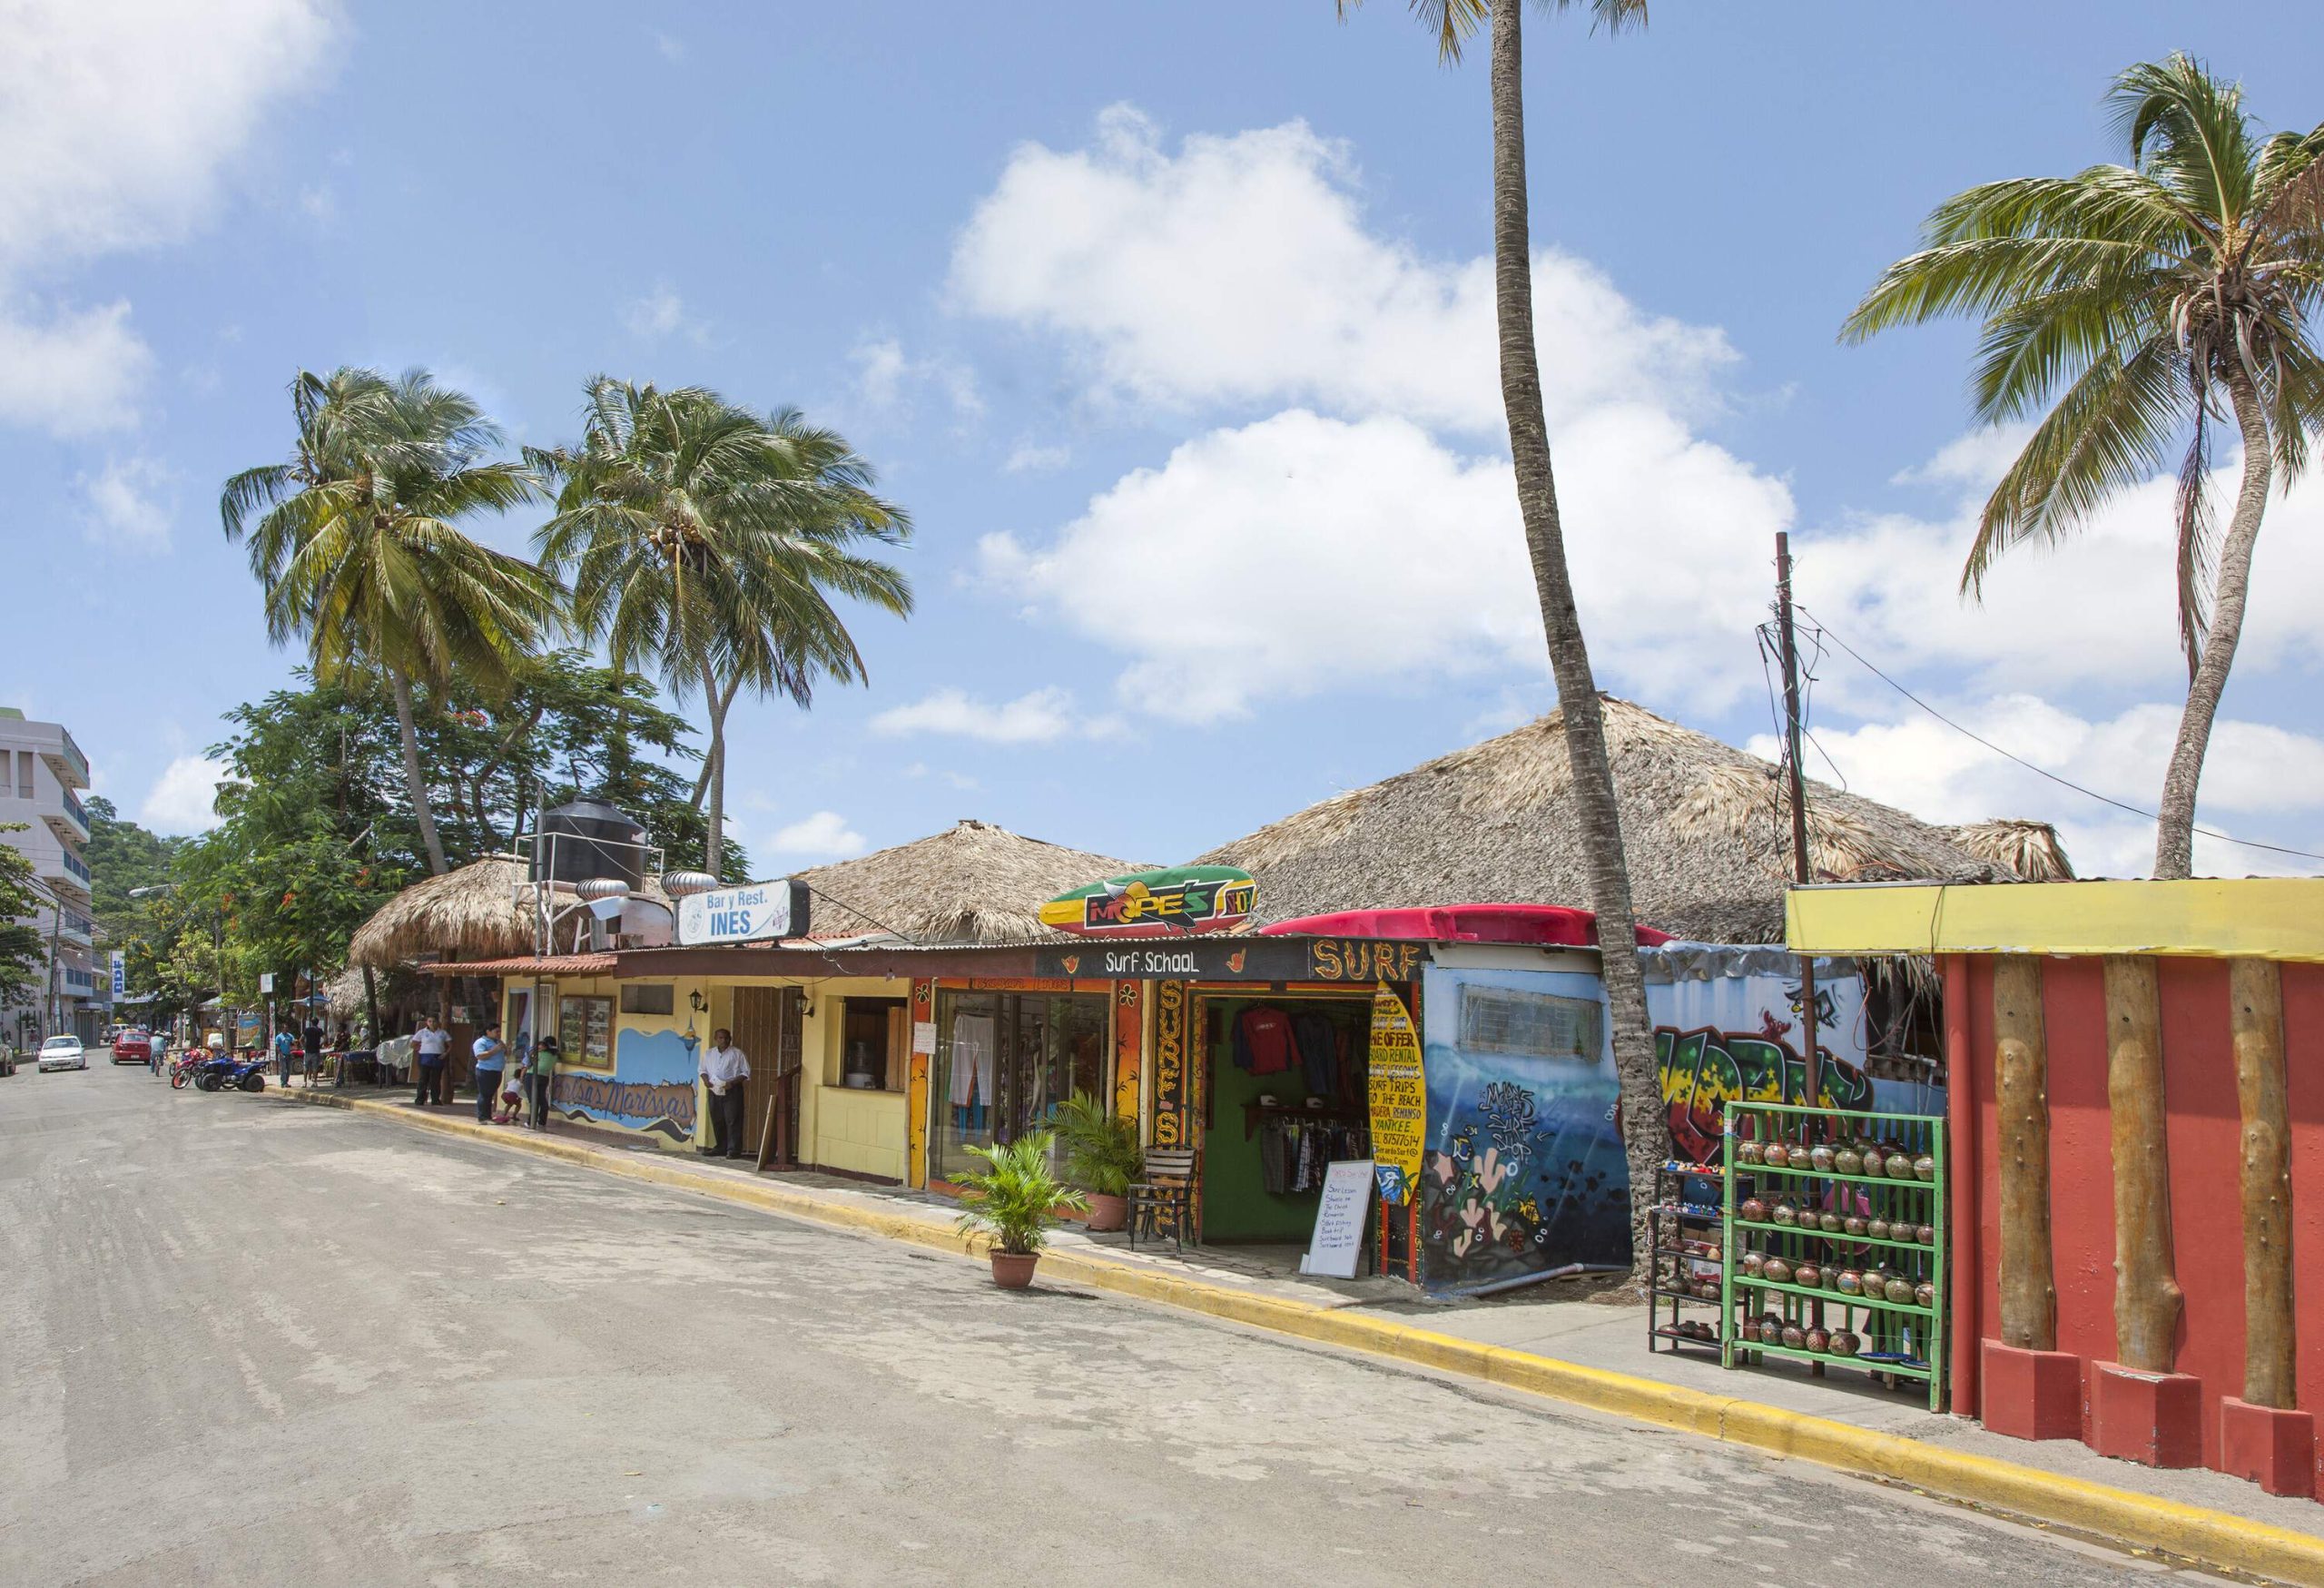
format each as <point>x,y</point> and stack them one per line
<point>1357,959</point>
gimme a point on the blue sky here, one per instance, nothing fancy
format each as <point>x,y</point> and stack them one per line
<point>1169,325</point>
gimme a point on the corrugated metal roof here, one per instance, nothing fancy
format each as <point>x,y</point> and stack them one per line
<point>533,964</point>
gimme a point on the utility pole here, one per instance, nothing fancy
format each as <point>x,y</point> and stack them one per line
<point>1795,788</point>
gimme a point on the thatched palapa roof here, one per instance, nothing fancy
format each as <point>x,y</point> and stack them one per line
<point>483,910</point>
<point>1706,826</point>
<point>972,884</point>
<point>2031,849</point>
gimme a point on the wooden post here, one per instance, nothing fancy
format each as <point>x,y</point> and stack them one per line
<point>2255,999</point>
<point>2029,1293</point>
<point>2147,1298</point>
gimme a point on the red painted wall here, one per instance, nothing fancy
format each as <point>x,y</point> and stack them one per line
<point>2204,1127</point>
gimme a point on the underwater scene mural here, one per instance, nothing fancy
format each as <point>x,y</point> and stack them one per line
<point>652,1087</point>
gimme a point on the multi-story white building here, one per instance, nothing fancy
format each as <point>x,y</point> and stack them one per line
<point>42,771</point>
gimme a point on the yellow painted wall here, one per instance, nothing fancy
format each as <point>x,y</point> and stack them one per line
<point>2269,918</point>
<point>644,1024</point>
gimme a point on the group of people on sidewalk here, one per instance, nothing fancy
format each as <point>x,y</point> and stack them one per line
<point>513,1088</point>
<point>508,1086</point>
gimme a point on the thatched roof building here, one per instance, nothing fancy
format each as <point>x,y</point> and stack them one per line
<point>972,884</point>
<point>483,910</point>
<point>1706,826</point>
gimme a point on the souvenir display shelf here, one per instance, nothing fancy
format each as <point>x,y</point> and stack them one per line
<point>1897,1330</point>
<point>1684,1234</point>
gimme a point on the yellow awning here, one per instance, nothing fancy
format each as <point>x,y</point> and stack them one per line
<point>2268,918</point>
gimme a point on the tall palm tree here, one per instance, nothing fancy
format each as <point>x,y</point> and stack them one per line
<point>1454,21</point>
<point>709,542</point>
<point>2141,304</point>
<point>356,541</point>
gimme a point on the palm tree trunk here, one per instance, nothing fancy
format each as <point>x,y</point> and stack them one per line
<point>719,705</point>
<point>714,770</point>
<point>2174,831</point>
<point>417,784</point>
<point>1635,1069</point>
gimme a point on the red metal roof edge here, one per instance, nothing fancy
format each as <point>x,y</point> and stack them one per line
<point>563,964</point>
<point>1533,925</point>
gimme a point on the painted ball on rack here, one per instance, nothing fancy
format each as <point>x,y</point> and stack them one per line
<point>1829,1222</point>
<point>1771,1334</point>
<point>1878,1229</point>
<point>1818,1340</point>
<point>1848,1161</point>
<point>1752,1211</point>
<point>1924,1294</point>
<point>1872,1162</point>
<point>1899,1290</point>
<point>1775,1155</point>
<point>1844,1343</point>
<point>1856,1224</point>
<point>1850,1282</point>
<point>1785,1213</point>
<point>1925,1166</point>
<point>1794,1336</point>
<point>1926,1234</point>
<point>1776,1271</point>
<point>1809,1274</point>
<point>1747,1152</point>
<point>1899,1167</point>
<point>1753,1262</point>
<point>1821,1158</point>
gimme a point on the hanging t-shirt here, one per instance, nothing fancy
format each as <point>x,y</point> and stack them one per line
<point>972,1044</point>
<point>1263,1041</point>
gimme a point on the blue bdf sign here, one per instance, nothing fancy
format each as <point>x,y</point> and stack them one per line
<point>757,912</point>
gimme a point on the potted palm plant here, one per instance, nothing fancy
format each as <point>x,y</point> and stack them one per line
<point>1016,1200</point>
<point>1101,1156</point>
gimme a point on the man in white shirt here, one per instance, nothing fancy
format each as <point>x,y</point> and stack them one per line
<point>725,1068</point>
<point>429,1045</point>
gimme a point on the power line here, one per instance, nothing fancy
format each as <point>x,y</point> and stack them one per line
<point>1827,630</point>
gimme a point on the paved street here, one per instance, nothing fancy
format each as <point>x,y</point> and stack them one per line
<point>251,1342</point>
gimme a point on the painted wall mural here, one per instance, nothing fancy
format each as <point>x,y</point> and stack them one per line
<point>1523,1174</point>
<point>1724,1037</point>
<point>651,1088</point>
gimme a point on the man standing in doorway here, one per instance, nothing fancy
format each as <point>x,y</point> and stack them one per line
<point>725,1068</point>
<point>489,1057</point>
<point>429,1045</point>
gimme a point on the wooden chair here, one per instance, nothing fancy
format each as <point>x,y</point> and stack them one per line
<point>1165,1196</point>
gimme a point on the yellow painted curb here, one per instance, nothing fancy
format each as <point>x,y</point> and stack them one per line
<point>2215,1538</point>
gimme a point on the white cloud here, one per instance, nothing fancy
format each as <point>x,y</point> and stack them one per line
<point>70,371</point>
<point>888,377</point>
<point>130,504</point>
<point>1030,458</point>
<point>826,832</point>
<point>115,122</point>
<point>2258,779</point>
<point>662,312</point>
<point>1239,270</point>
<point>672,48</point>
<point>1303,554</point>
<point>182,798</point>
<point>1037,717</point>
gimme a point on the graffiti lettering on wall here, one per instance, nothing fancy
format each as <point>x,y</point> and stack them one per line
<point>1703,1069</point>
<point>1170,1091</point>
<point>651,1088</point>
<point>642,1105</point>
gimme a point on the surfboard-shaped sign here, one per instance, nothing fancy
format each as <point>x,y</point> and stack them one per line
<point>1165,903</point>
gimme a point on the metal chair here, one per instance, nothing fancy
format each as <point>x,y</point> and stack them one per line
<point>1164,1197</point>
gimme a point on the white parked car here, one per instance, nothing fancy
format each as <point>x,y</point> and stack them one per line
<point>63,1053</point>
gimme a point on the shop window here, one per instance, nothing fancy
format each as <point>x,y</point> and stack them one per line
<point>1500,1020</point>
<point>585,1031</point>
<point>873,1035</point>
<point>1003,1062</point>
<point>645,997</point>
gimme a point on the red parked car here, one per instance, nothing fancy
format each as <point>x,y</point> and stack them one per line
<point>133,1047</point>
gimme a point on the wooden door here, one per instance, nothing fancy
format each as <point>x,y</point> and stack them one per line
<point>767,1029</point>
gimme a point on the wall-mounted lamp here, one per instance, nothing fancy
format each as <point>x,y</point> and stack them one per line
<point>697,1001</point>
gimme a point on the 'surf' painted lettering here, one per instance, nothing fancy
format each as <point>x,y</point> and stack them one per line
<point>1362,959</point>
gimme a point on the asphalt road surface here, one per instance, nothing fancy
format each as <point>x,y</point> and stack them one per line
<point>250,1341</point>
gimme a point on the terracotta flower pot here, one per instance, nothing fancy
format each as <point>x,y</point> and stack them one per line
<point>1013,1270</point>
<point>1107,1212</point>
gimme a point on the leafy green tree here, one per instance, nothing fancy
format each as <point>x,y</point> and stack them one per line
<point>2134,308</point>
<point>122,856</point>
<point>23,953</point>
<point>356,541</point>
<point>1453,22</point>
<point>706,543</point>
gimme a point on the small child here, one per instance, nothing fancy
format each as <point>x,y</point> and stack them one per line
<point>512,1095</point>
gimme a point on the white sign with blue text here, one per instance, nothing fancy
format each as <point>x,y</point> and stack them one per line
<point>757,912</point>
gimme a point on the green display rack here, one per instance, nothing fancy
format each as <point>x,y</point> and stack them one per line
<point>1900,1336</point>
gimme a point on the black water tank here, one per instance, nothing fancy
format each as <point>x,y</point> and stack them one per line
<point>589,838</point>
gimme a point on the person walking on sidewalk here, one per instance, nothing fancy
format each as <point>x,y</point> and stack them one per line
<point>542,1079</point>
<point>725,1068</point>
<point>283,1042</point>
<point>429,1045</point>
<point>490,1055</point>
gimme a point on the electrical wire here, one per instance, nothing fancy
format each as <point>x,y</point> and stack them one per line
<point>2043,772</point>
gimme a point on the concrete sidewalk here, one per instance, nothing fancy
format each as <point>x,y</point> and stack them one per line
<point>1579,1350</point>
